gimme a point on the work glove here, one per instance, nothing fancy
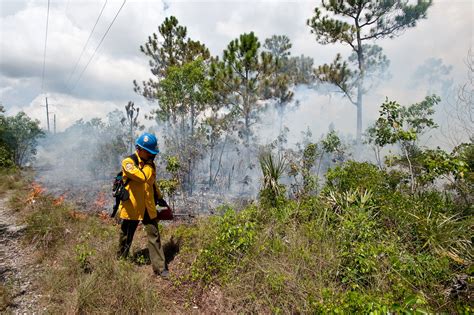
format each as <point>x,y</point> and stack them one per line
<point>162,203</point>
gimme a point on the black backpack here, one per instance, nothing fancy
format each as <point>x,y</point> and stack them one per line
<point>120,193</point>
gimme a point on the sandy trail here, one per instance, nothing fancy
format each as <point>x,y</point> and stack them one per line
<point>17,267</point>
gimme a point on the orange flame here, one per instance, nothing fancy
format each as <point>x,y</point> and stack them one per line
<point>58,201</point>
<point>36,191</point>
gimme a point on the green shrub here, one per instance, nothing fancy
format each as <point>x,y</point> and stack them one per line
<point>233,236</point>
<point>83,254</point>
<point>361,248</point>
<point>6,158</point>
<point>351,302</point>
<point>273,168</point>
<point>357,175</point>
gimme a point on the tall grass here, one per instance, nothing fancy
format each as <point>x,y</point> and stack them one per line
<point>78,254</point>
<point>11,179</point>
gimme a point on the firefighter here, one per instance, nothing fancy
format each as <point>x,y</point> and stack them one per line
<point>141,204</point>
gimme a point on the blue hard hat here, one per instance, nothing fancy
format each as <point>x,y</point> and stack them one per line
<point>148,142</point>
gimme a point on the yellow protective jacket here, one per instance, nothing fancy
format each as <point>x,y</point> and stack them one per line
<point>140,187</point>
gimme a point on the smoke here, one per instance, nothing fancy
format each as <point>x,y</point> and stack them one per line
<point>80,162</point>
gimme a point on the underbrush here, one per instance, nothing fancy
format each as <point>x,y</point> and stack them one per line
<point>364,245</point>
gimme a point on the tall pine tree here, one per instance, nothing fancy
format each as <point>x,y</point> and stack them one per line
<point>355,22</point>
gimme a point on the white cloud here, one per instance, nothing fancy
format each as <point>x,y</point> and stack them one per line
<point>107,82</point>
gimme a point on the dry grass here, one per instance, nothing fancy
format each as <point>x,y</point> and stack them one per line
<point>12,179</point>
<point>84,276</point>
<point>6,296</point>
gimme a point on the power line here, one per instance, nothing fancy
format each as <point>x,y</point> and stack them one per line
<point>44,52</point>
<point>97,48</point>
<point>87,42</point>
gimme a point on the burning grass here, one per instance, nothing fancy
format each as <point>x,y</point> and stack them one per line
<point>78,250</point>
<point>58,201</point>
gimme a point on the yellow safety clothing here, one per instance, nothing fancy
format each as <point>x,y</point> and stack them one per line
<point>142,177</point>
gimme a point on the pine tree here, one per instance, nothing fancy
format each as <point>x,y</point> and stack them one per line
<point>354,23</point>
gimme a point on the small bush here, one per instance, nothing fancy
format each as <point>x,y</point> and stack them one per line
<point>356,175</point>
<point>233,236</point>
<point>83,254</point>
<point>6,158</point>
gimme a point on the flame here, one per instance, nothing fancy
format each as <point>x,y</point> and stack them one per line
<point>58,201</point>
<point>36,191</point>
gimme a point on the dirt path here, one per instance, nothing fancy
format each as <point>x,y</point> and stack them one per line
<point>17,269</point>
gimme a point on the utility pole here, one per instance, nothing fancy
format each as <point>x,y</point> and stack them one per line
<point>47,113</point>
<point>132,115</point>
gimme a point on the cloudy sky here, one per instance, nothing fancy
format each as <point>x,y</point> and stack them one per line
<point>106,84</point>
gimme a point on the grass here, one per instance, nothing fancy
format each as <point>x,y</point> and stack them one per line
<point>9,173</point>
<point>11,180</point>
<point>6,296</point>
<point>80,253</point>
<point>353,249</point>
<point>106,282</point>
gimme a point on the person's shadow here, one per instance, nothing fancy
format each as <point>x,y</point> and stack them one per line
<point>170,248</point>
